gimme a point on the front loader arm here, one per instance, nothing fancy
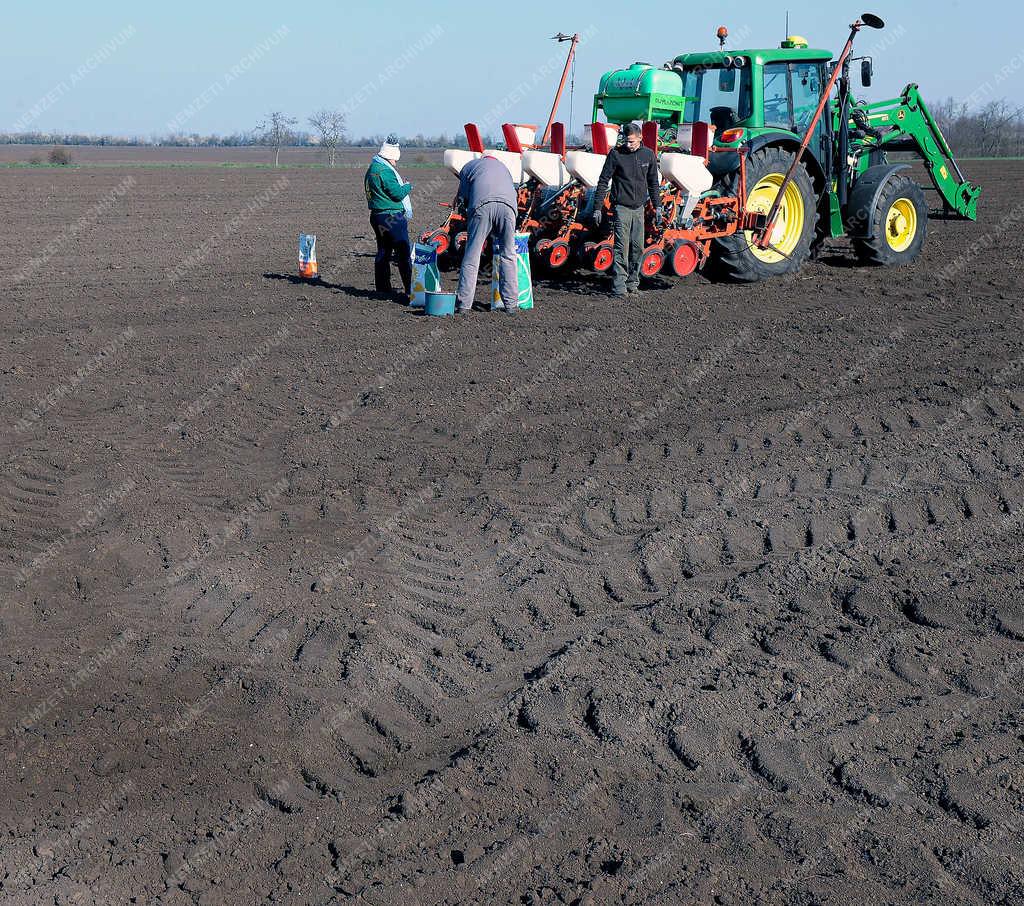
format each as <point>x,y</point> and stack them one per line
<point>906,124</point>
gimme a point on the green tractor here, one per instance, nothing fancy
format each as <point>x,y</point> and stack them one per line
<point>815,159</point>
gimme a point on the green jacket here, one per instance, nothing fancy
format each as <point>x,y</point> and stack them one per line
<point>384,194</point>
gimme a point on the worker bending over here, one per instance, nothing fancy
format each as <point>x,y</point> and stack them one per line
<point>491,202</point>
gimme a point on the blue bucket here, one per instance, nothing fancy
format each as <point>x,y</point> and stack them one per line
<point>440,304</point>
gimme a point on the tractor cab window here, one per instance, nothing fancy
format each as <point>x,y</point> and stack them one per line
<point>791,94</point>
<point>777,109</point>
<point>808,83</point>
<point>718,94</point>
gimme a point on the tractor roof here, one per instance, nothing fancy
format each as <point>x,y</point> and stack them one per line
<point>767,55</point>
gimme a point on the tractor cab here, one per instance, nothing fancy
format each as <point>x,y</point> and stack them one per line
<point>748,93</point>
<point>764,98</point>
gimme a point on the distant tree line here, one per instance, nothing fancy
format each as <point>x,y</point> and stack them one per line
<point>129,141</point>
<point>277,130</point>
<point>993,130</point>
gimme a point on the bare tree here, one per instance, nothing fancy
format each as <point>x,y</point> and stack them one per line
<point>331,126</point>
<point>995,127</point>
<point>948,113</point>
<point>277,132</point>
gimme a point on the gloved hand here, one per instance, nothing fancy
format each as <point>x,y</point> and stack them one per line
<point>659,217</point>
<point>597,217</point>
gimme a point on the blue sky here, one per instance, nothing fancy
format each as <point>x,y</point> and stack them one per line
<point>134,68</point>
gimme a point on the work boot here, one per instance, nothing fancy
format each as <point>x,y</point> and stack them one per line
<point>633,290</point>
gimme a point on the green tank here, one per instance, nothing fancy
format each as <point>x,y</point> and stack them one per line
<point>641,92</point>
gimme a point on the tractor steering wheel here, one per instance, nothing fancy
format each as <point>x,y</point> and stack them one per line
<point>776,111</point>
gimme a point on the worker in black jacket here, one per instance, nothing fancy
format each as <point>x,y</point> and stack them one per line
<point>632,170</point>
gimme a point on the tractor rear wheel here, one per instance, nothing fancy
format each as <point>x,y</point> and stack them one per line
<point>899,224</point>
<point>737,257</point>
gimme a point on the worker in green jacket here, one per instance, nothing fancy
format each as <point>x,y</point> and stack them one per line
<point>387,196</point>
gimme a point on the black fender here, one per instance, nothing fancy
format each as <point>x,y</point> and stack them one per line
<point>864,196</point>
<point>788,141</point>
<point>722,164</point>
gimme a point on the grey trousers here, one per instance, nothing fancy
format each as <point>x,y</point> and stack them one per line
<point>629,248</point>
<point>498,220</point>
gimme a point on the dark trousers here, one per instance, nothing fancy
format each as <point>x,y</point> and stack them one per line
<point>392,232</point>
<point>629,248</point>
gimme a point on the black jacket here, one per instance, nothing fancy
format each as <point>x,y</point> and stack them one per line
<point>634,178</point>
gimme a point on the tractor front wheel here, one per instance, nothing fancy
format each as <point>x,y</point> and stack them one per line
<point>898,224</point>
<point>738,257</point>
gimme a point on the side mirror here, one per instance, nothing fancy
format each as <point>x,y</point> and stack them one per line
<point>867,72</point>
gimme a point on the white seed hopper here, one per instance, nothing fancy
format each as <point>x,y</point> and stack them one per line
<point>607,135</point>
<point>514,163</point>
<point>456,158</point>
<point>585,166</point>
<point>688,173</point>
<point>546,167</point>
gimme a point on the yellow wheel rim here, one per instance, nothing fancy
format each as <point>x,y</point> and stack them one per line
<point>789,223</point>
<point>901,225</point>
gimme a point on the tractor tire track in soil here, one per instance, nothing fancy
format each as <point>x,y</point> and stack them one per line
<point>309,599</point>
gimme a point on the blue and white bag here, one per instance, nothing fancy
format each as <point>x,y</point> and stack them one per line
<point>426,277</point>
<point>523,272</point>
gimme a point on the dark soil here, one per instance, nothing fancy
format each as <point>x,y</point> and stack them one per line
<point>711,597</point>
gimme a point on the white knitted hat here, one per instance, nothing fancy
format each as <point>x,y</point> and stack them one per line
<point>390,149</point>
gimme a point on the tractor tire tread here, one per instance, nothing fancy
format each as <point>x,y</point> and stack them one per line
<point>732,260</point>
<point>877,252</point>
